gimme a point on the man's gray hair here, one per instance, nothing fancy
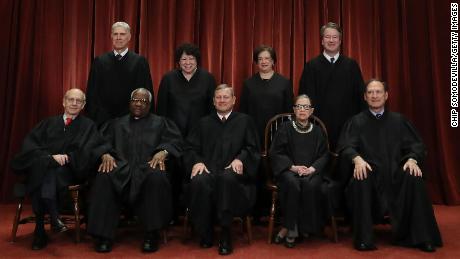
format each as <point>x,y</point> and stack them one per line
<point>122,25</point>
<point>142,90</point>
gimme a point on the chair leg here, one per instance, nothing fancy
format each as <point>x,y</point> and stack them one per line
<point>249,228</point>
<point>76,210</point>
<point>165,235</point>
<point>271,220</point>
<point>334,229</point>
<point>17,216</point>
<point>185,227</point>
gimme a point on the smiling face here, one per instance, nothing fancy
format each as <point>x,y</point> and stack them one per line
<point>265,62</point>
<point>120,38</point>
<point>376,96</point>
<point>187,63</point>
<point>331,41</point>
<point>139,105</point>
<point>224,100</point>
<point>73,102</point>
<point>303,109</point>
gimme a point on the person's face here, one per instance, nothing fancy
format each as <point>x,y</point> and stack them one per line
<point>224,100</point>
<point>265,62</point>
<point>139,104</point>
<point>302,109</point>
<point>187,63</point>
<point>331,41</point>
<point>376,96</point>
<point>73,102</point>
<point>120,38</point>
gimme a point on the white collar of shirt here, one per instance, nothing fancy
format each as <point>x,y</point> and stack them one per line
<point>225,115</point>
<point>336,56</point>
<point>122,53</point>
<point>379,112</point>
<point>65,117</point>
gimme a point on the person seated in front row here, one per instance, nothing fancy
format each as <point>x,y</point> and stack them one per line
<point>298,154</point>
<point>56,154</point>
<point>222,156</point>
<point>132,172</point>
<point>387,154</point>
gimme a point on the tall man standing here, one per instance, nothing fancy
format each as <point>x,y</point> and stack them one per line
<point>334,82</point>
<point>114,75</point>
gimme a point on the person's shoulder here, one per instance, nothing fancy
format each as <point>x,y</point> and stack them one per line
<point>315,60</point>
<point>280,78</point>
<point>348,60</point>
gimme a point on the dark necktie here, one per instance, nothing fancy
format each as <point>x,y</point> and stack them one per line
<point>118,57</point>
<point>68,120</point>
<point>378,115</point>
<point>332,60</point>
<point>224,119</point>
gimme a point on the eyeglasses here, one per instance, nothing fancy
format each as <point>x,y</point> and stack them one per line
<point>75,100</point>
<point>141,100</point>
<point>306,107</point>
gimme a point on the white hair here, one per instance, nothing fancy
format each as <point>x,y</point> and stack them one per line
<point>122,25</point>
<point>142,90</point>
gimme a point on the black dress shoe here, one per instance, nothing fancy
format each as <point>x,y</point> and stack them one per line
<point>289,243</point>
<point>40,241</point>
<point>205,243</point>
<point>150,245</point>
<point>58,226</point>
<point>225,247</point>
<point>278,239</point>
<point>427,247</point>
<point>225,243</point>
<point>103,245</point>
<point>206,239</point>
<point>365,247</point>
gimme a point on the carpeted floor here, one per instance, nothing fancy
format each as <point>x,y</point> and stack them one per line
<point>129,240</point>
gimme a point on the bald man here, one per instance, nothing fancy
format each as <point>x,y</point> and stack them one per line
<point>55,154</point>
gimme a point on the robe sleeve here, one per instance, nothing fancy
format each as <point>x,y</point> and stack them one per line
<point>33,150</point>
<point>250,153</point>
<point>192,149</point>
<point>92,99</point>
<point>322,153</point>
<point>171,139</point>
<point>348,144</point>
<point>412,145</point>
<point>308,82</point>
<point>145,80</point>
<point>288,97</point>
<point>278,154</point>
<point>162,107</point>
<point>244,99</point>
<point>358,88</point>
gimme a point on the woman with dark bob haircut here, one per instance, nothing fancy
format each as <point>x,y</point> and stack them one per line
<point>185,93</point>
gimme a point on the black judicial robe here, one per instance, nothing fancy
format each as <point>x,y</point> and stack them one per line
<point>386,144</point>
<point>301,199</point>
<point>262,99</point>
<point>111,82</point>
<point>80,140</point>
<point>217,144</point>
<point>133,143</point>
<point>336,91</point>
<point>186,102</point>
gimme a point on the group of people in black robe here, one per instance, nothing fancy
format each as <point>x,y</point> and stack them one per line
<point>123,148</point>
